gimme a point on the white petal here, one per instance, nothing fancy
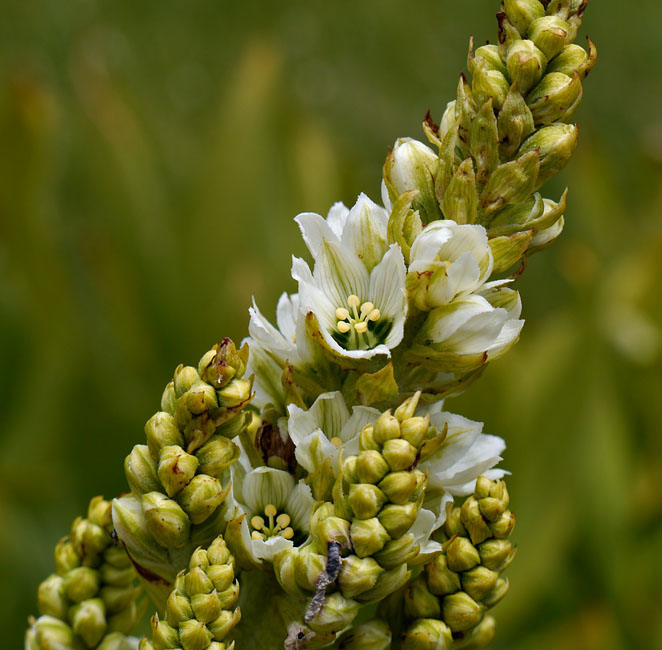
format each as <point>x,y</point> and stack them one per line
<point>266,485</point>
<point>267,335</point>
<point>301,271</point>
<point>315,230</point>
<point>299,505</point>
<point>340,274</point>
<point>365,231</point>
<point>328,413</point>
<point>269,548</point>
<point>483,455</point>
<point>287,312</point>
<point>507,337</point>
<point>436,500</point>
<point>361,415</point>
<point>313,449</point>
<point>267,386</point>
<point>337,218</point>
<point>386,199</point>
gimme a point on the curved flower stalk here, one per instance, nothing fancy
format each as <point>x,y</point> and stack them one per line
<point>91,601</point>
<point>176,491</point>
<point>199,613</point>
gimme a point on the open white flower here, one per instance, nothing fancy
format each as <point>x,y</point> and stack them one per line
<point>447,260</point>
<point>325,429</point>
<point>277,510</point>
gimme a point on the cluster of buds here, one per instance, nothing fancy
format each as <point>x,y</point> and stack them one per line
<point>198,613</point>
<point>506,134</point>
<point>448,601</point>
<point>176,492</point>
<point>91,601</point>
<point>364,535</point>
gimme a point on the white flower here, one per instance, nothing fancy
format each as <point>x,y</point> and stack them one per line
<point>447,260</point>
<point>326,428</point>
<point>277,510</point>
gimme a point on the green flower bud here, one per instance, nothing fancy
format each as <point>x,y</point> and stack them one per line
<point>164,635</point>
<point>366,500</point>
<point>373,635</point>
<point>499,590</point>
<point>194,635</point>
<point>397,552</point>
<point>387,583</point>
<point>441,580</point>
<point>399,486</point>
<point>219,553</point>
<point>308,567</point>
<point>178,609</point>
<point>196,582</point>
<point>399,454</point>
<point>522,13</point>
<point>223,362</point>
<point>555,144</point>
<point>411,165</point>
<point>201,497</point>
<point>140,469</point>
<point>216,455</point>
<point>371,466</point>
<point>221,626</point>
<point>368,536</point>
<point>462,554</point>
<point>169,399</point>
<point>367,438</point>
<point>200,399</point>
<point>461,612</point>
<point>118,641</point>
<point>66,557</point>
<point>118,598</point>
<point>338,612</point>
<point>81,583</point>
<point>478,581</point>
<point>526,64</point>
<point>386,427</point>
<point>555,98</point>
<point>349,470</point>
<point>185,378</point>
<point>453,524</point>
<point>419,601</point>
<point>487,56</point>
<point>162,431</point>
<point>235,393</point>
<point>52,597</point>
<point>221,575</point>
<point>54,634</point>
<point>489,85</point>
<point>331,529</point>
<point>206,607</point>
<point>407,408</point>
<point>495,552</point>
<point>165,520</point>
<point>89,540</point>
<point>176,468</point>
<point>284,565</point>
<point>427,634</point>
<point>574,58</point>
<point>473,521</point>
<point>504,525</point>
<point>358,575</point>
<point>88,620</point>
<point>228,597</point>
<point>99,512</point>
<point>550,34</point>
<point>515,122</point>
<point>415,429</point>
<point>397,520</point>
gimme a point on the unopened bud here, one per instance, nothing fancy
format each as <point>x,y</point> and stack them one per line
<point>201,497</point>
<point>574,58</point>
<point>399,486</point>
<point>489,84</point>
<point>397,552</point>
<point>216,455</point>
<point>420,602</point>
<point>88,620</point>
<point>462,554</point>
<point>555,144</point>
<point>162,431</point>
<point>89,540</point>
<point>387,428</point>
<point>51,632</point>
<point>99,512</point>
<point>165,520</point>
<point>66,557</point>
<point>178,609</point>
<point>349,468</point>
<point>371,466</point>
<point>399,454</point>
<point>366,500</point>
<point>81,583</point>
<point>480,636</point>
<point>164,635</point>
<point>206,607</point>
<point>194,635</point>
<point>118,598</point>
<point>504,525</point>
<point>397,520</point>
<point>185,378</point>
<point>220,627</point>
<point>358,575</point>
<point>526,64</point>
<point>332,529</point>
<point>368,536</point>
<point>309,565</point>
<point>367,439</point>
<point>453,524</point>
<point>461,612</point>
<point>201,398</point>
<point>176,468</point>
<point>427,634</point>
<point>140,469</point>
<point>169,399</point>
<point>494,553</point>
<point>52,597</point>
<point>487,56</point>
<point>555,98</point>
<point>222,363</point>
<point>478,581</point>
<point>414,430</point>
<point>338,612</point>
<point>387,583</point>
<point>499,590</point>
<point>235,393</point>
<point>373,635</point>
<point>522,13</point>
<point>441,580</point>
<point>473,521</point>
<point>550,34</point>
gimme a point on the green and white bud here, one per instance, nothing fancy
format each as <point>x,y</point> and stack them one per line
<point>201,497</point>
<point>141,470</point>
<point>399,487</point>
<point>88,620</point>
<point>358,575</point>
<point>161,431</point>
<point>398,551</point>
<point>522,13</point>
<point>461,612</point>
<point>366,500</point>
<point>371,466</point>
<point>477,582</point>
<point>427,634</point>
<point>526,64</point>
<point>368,536</point>
<point>398,519</point>
<point>555,144</point>
<point>176,469</point>
<point>478,637</point>
<point>52,597</point>
<point>550,34</point>
<point>499,590</point>
<point>555,98</point>
<point>419,602</point>
<point>216,455</point>
<point>441,580</point>
<point>166,521</point>
<point>574,58</point>
<point>373,635</point>
<point>338,612</point>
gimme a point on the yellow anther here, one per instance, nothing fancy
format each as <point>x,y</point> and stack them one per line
<point>256,535</point>
<point>336,442</point>
<point>353,301</point>
<point>361,327</point>
<point>283,520</point>
<point>342,313</point>
<point>270,510</point>
<point>344,327</point>
<point>374,315</point>
<point>257,522</point>
<point>366,308</point>
<point>288,533</point>
<point>294,338</point>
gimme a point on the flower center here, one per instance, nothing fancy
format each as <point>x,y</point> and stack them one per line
<point>357,316</point>
<point>272,524</point>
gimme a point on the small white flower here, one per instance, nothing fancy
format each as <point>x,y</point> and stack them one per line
<point>447,260</point>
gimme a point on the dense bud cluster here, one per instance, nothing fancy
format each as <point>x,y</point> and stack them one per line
<point>448,600</point>
<point>91,599</point>
<point>198,614</point>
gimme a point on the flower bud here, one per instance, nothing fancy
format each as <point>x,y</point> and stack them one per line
<point>81,583</point>
<point>140,469</point>
<point>574,58</point>
<point>414,430</point>
<point>494,553</point>
<point>118,598</point>
<point>176,468</point>
<point>522,13</point>
<point>478,581</point>
<point>332,529</point>
<point>461,612</point>
<point>221,626</point>
<point>338,612</point>
<point>309,565</point>
<point>349,469</point>
<point>164,635</point>
<point>169,399</point>
<point>117,576</point>
<point>219,553</point>
<point>427,634</point>
<point>365,500</point>
<point>285,571</point>
<point>397,552</point>
<point>53,633</point>
<point>222,363</point>
<point>473,521</point>
<point>489,84</point>
<point>165,520</point>
<point>66,557</point>
<point>419,602</point>
<point>550,34</point>
<point>178,609</point>
<point>200,399</point>
<point>386,427</point>
<point>52,597</point>
<point>201,497</point>
<point>462,554</point>
<point>206,607</point>
<point>480,636</point>
<point>162,431</point>
<point>216,455</point>
<point>387,583</point>
<point>411,165</point>
<point>453,524</point>
<point>89,540</point>
<point>99,512</point>
<point>235,393</point>
<point>194,635</point>
<point>221,575</point>
<point>228,597</point>
<point>397,520</point>
<point>118,641</point>
<point>504,525</point>
<point>441,580</point>
<point>399,486</point>
<point>358,575</point>
<point>408,407</point>
<point>184,379</point>
<point>373,635</point>
<point>197,581</point>
<point>367,439</point>
<point>487,56</point>
<point>88,620</point>
<point>499,590</point>
<point>399,454</point>
<point>555,144</point>
<point>526,64</point>
<point>371,466</point>
<point>555,98</point>
<point>368,536</point>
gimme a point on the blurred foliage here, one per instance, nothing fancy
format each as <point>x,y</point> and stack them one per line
<point>152,157</point>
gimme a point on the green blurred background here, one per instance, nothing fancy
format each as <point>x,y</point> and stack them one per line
<point>152,156</point>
